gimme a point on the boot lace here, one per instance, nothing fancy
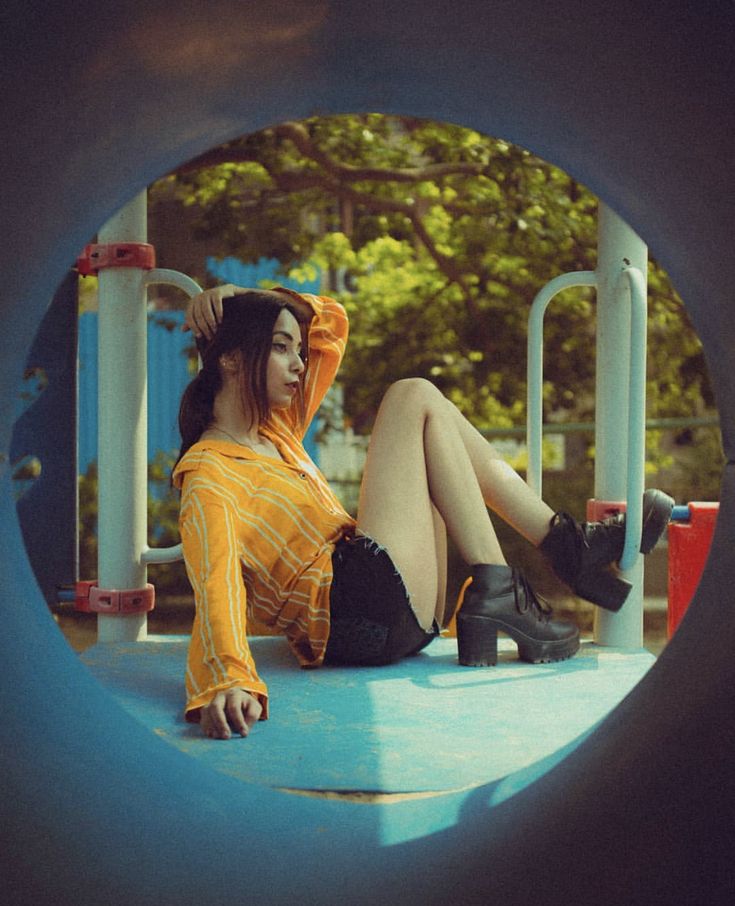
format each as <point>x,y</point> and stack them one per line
<point>526,599</point>
<point>576,532</point>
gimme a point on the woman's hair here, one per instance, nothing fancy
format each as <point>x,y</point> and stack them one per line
<point>246,327</point>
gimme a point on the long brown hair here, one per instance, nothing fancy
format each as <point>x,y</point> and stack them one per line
<point>247,326</point>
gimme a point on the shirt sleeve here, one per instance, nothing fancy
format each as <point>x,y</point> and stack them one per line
<point>219,654</point>
<point>328,334</point>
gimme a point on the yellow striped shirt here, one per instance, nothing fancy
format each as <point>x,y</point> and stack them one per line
<point>258,535</point>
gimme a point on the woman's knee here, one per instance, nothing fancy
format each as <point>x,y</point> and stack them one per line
<point>415,394</point>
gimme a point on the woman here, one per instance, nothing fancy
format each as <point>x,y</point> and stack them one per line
<point>262,531</point>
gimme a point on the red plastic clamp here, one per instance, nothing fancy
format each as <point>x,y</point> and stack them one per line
<point>597,510</point>
<point>116,254</point>
<point>81,595</point>
<point>92,599</point>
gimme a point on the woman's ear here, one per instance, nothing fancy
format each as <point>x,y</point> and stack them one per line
<point>229,362</point>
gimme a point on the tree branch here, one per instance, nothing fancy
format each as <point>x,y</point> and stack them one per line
<point>335,178</point>
<point>299,136</point>
<point>445,264</point>
<point>228,154</point>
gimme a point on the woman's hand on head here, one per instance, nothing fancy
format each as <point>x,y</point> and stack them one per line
<point>204,311</point>
<point>234,708</point>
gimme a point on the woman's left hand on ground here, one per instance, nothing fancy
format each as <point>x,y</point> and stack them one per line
<point>236,708</point>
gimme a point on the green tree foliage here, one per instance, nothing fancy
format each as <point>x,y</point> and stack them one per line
<point>436,238</point>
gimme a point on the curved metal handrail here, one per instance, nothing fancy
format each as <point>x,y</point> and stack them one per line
<point>535,367</point>
<point>191,288</point>
<point>162,554</point>
<point>172,278</point>
<point>636,395</point>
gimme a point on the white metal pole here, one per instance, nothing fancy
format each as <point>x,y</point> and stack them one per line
<point>122,432</point>
<point>619,247</point>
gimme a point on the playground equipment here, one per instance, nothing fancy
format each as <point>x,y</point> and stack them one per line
<point>690,538</point>
<point>126,265</point>
<point>620,415</point>
<point>126,268</point>
<point>637,101</point>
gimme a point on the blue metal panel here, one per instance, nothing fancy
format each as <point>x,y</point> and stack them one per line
<point>168,375</point>
<point>87,384</point>
<point>232,270</point>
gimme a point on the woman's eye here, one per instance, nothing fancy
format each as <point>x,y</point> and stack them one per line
<point>280,347</point>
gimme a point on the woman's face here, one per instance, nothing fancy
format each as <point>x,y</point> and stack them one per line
<point>285,365</point>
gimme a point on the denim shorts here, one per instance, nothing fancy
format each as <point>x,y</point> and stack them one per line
<point>372,621</point>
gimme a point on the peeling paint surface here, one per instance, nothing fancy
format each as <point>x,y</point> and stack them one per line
<point>423,725</point>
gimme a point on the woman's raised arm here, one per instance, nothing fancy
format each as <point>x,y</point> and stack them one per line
<point>204,311</point>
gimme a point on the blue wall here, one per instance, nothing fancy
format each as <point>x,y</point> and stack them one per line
<point>232,270</point>
<point>168,375</point>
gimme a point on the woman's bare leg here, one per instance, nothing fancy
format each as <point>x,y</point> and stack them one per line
<point>503,489</point>
<point>440,536</point>
<point>417,458</point>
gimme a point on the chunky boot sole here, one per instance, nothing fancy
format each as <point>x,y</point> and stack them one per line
<point>657,508</point>
<point>477,643</point>
<point>603,588</point>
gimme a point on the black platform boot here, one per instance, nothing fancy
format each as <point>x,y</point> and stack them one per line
<point>580,553</point>
<point>500,598</point>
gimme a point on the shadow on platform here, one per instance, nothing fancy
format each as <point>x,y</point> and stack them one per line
<point>421,725</point>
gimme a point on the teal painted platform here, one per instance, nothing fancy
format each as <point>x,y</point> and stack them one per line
<point>423,724</point>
